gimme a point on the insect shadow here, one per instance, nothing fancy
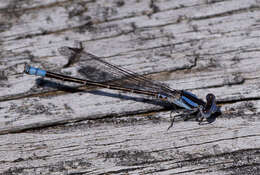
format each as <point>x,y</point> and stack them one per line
<point>95,91</point>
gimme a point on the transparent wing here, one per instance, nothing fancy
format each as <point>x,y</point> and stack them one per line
<point>96,69</point>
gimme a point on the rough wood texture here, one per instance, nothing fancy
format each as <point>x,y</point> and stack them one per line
<point>201,45</point>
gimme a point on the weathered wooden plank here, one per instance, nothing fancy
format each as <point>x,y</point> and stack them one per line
<point>125,27</point>
<point>134,143</point>
<point>203,46</point>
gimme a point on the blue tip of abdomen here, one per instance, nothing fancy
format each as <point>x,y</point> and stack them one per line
<point>34,71</point>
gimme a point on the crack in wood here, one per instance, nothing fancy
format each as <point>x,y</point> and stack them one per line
<point>61,166</point>
<point>228,13</point>
<point>45,32</point>
<point>123,170</point>
<point>203,159</point>
<point>253,168</point>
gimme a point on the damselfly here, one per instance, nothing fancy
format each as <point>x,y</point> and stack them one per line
<point>122,79</point>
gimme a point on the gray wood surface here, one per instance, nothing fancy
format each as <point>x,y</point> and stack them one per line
<point>204,46</point>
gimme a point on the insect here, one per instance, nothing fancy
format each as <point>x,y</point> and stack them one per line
<point>102,74</point>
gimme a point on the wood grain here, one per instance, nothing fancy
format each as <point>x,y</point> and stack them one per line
<point>204,46</point>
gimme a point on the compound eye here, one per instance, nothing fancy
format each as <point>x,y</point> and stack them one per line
<point>210,107</point>
<point>210,97</point>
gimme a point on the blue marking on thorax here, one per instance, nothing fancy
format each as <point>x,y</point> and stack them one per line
<point>35,71</point>
<point>190,102</point>
<point>180,103</point>
<point>190,94</point>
